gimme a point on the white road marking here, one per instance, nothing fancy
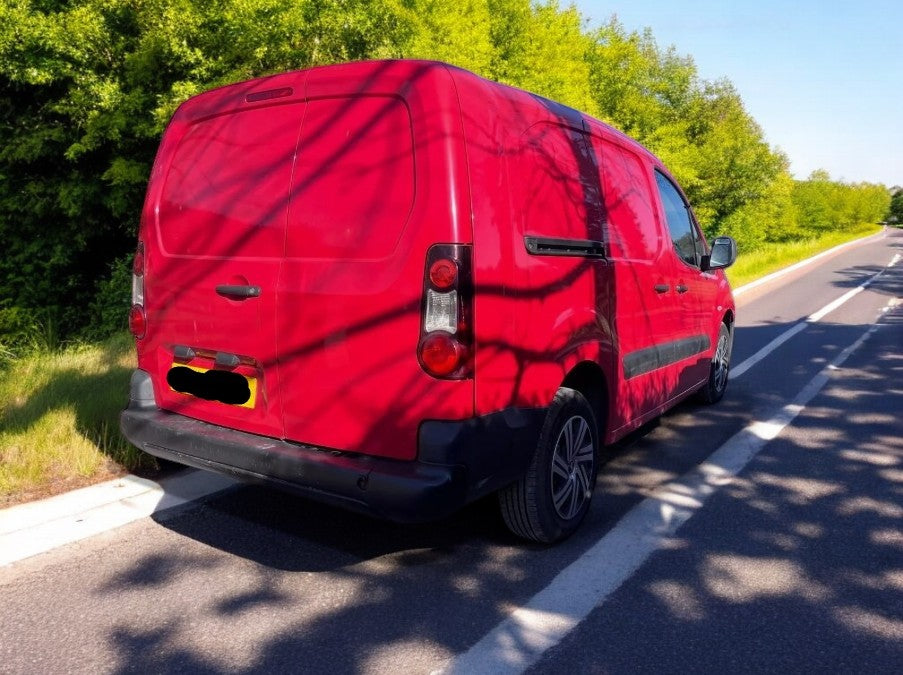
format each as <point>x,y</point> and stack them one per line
<point>802,263</point>
<point>738,370</point>
<point>520,640</point>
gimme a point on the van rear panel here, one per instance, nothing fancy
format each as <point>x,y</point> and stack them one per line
<point>322,190</point>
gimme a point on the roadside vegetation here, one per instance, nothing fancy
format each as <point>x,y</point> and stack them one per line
<point>59,419</point>
<point>771,257</point>
<point>90,84</point>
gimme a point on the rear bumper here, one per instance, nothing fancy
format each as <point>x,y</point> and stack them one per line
<point>458,461</point>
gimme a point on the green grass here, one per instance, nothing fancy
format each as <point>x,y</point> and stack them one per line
<point>59,409</point>
<point>59,419</point>
<point>773,257</point>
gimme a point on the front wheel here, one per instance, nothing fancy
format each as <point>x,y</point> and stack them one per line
<point>714,388</point>
<point>549,502</point>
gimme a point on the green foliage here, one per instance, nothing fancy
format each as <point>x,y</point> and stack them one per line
<point>108,310</point>
<point>895,210</point>
<point>825,205</point>
<point>90,84</point>
<point>699,129</point>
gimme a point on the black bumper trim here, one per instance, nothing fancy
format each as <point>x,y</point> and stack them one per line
<point>459,461</point>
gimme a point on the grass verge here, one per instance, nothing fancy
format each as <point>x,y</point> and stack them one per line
<point>59,409</point>
<point>773,257</point>
<point>59,420</point>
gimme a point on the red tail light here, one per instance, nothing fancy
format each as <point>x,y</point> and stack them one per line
<point>137,317</point>
<point>443,273</point>
<point>441,354</point>
<point>137,321</point>
<point>446,331</point>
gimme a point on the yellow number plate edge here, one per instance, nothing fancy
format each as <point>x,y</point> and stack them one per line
<point>252,385</point>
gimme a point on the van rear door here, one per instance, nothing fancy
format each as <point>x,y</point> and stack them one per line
<point>218,216</point>
<point>379,179</point>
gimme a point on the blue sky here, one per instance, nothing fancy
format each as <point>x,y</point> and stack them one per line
<point>824,80</point>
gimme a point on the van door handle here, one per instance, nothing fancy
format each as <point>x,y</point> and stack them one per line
<point>231,291</point>
<point>680,288</point>
<point>662,288</point>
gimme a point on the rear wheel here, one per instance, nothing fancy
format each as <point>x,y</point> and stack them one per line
<point>714,388</point>
<point>548,503</point>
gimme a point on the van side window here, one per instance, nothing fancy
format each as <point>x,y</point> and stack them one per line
<point>687,243</point>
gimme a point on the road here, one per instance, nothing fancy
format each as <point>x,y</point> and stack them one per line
<point>794,564</point>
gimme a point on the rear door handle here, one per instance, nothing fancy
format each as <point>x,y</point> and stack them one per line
<point>662,288</point>
<point>233,291</point>
<point>680,288</point>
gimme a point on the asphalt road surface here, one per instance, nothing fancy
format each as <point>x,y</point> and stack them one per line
<point>795,564</point>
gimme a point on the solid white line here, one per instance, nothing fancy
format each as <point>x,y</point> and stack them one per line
<point>520,640</point>
<point>748,363</point>
<point>802,263</point>
<point>30,529</point>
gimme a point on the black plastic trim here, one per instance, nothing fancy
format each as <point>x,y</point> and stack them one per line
<point>237,291</point>
<point>579,248</point>
<point>652,358</point>
<point>458,461</point>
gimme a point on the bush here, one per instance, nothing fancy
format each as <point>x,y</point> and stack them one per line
<point>109,309</point>
<point>24,331</point>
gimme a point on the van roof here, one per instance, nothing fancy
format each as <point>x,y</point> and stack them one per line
<point>392,75</point>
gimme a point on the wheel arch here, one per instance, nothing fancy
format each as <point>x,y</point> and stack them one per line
<point>589,379</point>
<point>728,320</point>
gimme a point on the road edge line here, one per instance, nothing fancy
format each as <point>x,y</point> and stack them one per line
<point>802,263</point>
<point>741,368</point>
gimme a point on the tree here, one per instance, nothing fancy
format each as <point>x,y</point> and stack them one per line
<point>895,211</point>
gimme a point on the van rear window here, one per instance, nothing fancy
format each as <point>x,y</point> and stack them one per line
<point>226,191</point>
<point>353,185</point>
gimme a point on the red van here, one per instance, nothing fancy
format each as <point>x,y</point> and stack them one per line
<point>398,287</point>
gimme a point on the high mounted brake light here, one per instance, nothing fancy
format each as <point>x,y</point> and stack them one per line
<point>445,350</point>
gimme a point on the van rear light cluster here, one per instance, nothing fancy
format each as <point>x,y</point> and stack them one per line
<point>445,350</point>
<point>137,316</point>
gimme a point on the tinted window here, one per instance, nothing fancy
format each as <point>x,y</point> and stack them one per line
<point>680,225</point>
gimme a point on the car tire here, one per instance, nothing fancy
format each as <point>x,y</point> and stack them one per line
<point>715,386</point>
<point>549,502</point>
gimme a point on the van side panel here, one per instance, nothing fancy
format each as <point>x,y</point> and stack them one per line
<point>537,316</point>
<point>645,316</point>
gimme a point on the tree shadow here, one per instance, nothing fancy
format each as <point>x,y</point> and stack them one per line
<point>797,560</point>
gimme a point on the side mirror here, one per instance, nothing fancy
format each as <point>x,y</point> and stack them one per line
<point>724,254</point>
